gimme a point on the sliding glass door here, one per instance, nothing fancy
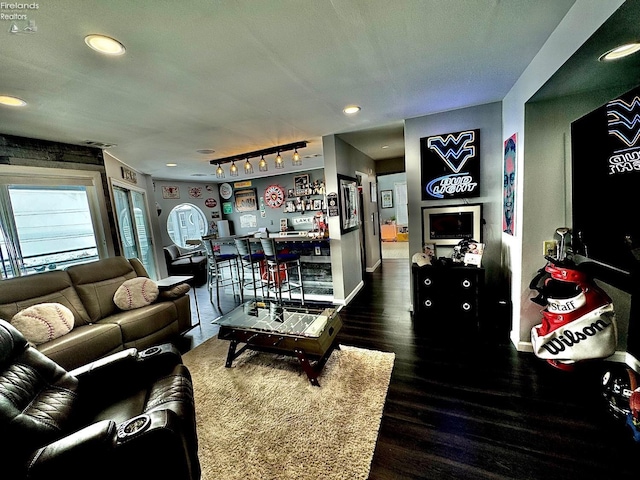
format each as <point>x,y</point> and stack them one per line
<point>134,227</point>
<point>49,220</point>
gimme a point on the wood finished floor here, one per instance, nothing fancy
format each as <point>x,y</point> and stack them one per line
<point>471,407</point>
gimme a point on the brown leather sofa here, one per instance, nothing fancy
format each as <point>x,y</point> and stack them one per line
<point>100,327</point>
<point>128,416</point>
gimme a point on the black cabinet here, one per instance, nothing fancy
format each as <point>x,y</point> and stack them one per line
<point>448,293</point>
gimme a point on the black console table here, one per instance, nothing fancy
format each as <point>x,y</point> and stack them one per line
<point>451,293</point>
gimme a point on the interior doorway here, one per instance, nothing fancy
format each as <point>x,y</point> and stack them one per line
<point>394,221</point>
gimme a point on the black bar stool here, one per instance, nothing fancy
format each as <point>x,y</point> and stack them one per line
<point>279,263</point>
<point>251,266</point>
<point>216,266</point>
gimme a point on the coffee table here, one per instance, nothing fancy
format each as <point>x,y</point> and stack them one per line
<point>308,333</point>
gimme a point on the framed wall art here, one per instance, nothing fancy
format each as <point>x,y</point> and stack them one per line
<point>246,200</point>
<point>170,192</point>
<point>349,207</point>
<point>386,198</point>
<point>449,225</point>
<point>301,184</point>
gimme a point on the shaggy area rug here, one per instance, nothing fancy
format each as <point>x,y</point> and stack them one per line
<point>262,419</point>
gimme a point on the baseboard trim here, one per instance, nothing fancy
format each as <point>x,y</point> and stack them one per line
<point>375,267</point>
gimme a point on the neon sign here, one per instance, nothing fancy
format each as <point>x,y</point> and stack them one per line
<point>623,119</point>
<point>450,166</point>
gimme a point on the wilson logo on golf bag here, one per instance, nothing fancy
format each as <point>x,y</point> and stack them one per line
<point>578,321</point>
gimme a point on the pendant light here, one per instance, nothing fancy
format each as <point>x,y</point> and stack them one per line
<point>233,170</point>
<point>262,164</point>
<point>297,161</point>
<point>279,162</point>
<point>219,172</point>
<point>248,168</point>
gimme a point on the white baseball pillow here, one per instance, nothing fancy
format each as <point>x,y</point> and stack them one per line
<point>135,293</point>
<point>43,322</point>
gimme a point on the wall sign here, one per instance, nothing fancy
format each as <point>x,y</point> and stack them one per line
<point>170,192</point>
<point>274,196</point>
<point>226,191</point>
<point>450,165</point>
<point>246,200</point>
<point>332,204</point>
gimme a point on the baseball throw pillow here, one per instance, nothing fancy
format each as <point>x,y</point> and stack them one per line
<point>43,322</point>
<point>135,293</point>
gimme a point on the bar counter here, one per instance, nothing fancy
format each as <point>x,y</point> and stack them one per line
<point>315,256</point>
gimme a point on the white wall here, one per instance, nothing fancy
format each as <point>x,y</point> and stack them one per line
<point>540,205</point>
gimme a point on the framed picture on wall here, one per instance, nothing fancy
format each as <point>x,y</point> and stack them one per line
<point>349,207</point>
<point>448,225</point>
<point>246,200</point>
<point>170,192</point>
<point>301,184</point>
<point>386,198</point>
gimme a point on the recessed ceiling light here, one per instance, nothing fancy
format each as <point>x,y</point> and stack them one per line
<point>104,44</point>
<point>172,164</point>
<point>12,101</point>
<point>351,109</point>
<point>620,52</point>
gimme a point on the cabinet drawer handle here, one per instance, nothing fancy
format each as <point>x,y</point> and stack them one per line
<point>466,283</point>
<point>466,306</point>
<point>427,281</point>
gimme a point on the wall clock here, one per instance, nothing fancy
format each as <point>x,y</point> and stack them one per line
<point>226,191</point>
<point>274,196</point>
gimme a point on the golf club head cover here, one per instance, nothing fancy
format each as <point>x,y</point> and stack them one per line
<point>578,322</point>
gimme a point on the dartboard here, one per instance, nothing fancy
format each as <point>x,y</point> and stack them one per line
<point>274,196</point>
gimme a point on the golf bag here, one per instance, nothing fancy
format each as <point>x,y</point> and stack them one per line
<point>578,321</point>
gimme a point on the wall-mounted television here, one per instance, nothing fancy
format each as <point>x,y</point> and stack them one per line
<point>448,225</point>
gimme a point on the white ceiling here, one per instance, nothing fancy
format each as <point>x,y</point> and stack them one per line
<point>241,75</point>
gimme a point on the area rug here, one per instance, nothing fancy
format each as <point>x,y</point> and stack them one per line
<point>262,419</point>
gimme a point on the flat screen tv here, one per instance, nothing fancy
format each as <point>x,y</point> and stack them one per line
<point>605,174</point>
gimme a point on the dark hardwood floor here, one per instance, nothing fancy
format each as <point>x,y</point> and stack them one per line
<point>467,406</point>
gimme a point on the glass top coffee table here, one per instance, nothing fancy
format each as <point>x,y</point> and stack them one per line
<point>309,333</point>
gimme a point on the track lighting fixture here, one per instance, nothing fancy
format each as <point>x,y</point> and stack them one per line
<point>262,164</point>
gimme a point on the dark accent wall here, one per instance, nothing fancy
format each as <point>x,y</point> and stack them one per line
<point>30,152</point>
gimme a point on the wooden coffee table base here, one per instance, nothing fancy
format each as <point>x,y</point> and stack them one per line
<point>311,366</point>
<point>312,352</point>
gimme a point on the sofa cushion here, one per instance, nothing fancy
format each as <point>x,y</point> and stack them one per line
<point>97,286</point>
<point>135,293</point>
<point>43,322</point>
<point>18,293</point>
<point>143,321</point>
<point>83,344</point>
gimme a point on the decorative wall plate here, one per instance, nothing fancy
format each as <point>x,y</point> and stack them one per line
<point>274,196</point>
<point>226,191</point>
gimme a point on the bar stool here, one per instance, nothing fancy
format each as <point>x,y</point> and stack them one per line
<point>279,263</point>
<point>251,266</point>
<point>216,266</point>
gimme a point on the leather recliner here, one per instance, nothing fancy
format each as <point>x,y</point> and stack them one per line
<point>130,415</point>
